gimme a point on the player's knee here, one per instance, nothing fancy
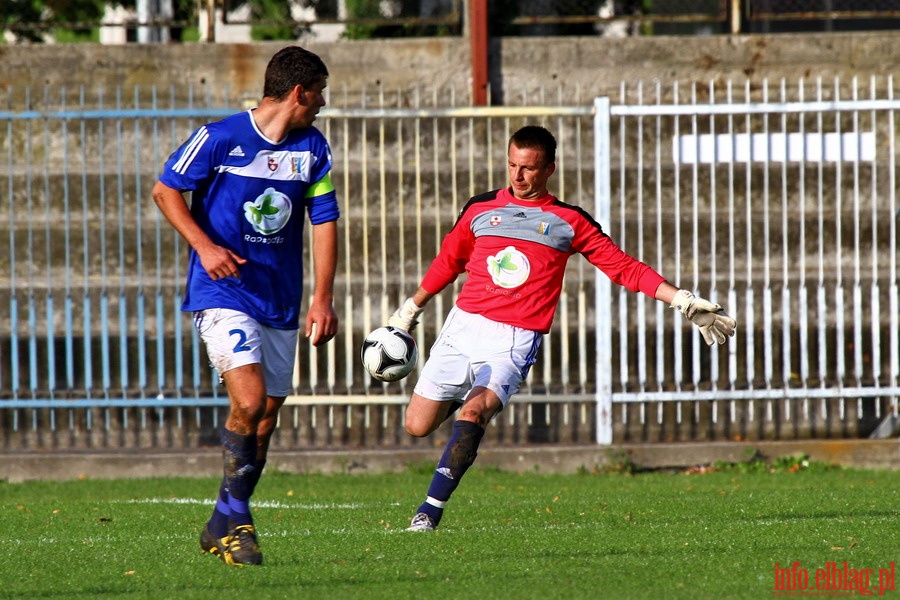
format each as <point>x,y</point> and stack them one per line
<point>416,428</point>
<point>247,414</point>
<point>476,415</point>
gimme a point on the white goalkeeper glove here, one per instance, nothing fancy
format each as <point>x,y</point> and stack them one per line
<point>714,324</point>
<point>405,317</point>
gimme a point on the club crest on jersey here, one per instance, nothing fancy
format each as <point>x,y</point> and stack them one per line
<point>269,212</point>
<point>273,164</point>
<point>495,220</point>
<point>509,268</point>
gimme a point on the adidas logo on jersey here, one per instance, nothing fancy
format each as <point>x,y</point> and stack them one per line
<point>520,215</point>
<point>236,151</point>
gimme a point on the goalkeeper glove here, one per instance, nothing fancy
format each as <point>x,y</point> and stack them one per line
<point>714,324</point>
<point>405,317</point>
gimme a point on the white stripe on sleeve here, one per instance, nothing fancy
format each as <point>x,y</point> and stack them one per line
<point>190,151</point>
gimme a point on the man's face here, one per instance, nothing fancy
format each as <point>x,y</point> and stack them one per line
<point>310,100</point>
<point>528,173</point>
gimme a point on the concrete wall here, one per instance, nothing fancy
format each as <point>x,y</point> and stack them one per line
<point>232,69</point>
<point>861,454</point>
<point>599,65</point>
<point>520,67</point>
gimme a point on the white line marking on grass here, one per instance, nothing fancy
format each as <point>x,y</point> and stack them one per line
<point>261,504</point>
<point>308,533</point>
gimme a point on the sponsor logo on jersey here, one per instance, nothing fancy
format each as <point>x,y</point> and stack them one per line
<point>269,213</point>
<point>544,229</point>
<point>236,151</point>
<point>509,268</point>
<point>520,215</point>
<point>495,220</point>
<point>275,166</point>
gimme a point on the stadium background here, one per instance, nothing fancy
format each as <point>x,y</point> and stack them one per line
<point>524,71</point>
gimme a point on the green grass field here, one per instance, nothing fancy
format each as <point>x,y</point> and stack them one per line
<point>716,534</point>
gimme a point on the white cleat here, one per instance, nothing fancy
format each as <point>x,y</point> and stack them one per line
<point>421,522</point>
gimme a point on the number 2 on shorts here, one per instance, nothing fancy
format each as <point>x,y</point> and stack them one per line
<point>241,345</point>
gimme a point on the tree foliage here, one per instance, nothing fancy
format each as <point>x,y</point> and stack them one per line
<point>28,19</point>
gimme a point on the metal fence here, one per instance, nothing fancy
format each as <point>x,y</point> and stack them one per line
<point>94,352</point>
<point>781,205</point>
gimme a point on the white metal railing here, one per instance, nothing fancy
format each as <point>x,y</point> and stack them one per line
<point>92,283</point>
<point>802,252</point>
<point>784,212</point>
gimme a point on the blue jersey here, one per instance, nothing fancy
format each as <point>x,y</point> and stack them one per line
<point>249,195</point>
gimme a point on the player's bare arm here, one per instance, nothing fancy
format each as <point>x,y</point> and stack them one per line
<point>218,262</point>
<point>321,319</point>
<point>421,297</point>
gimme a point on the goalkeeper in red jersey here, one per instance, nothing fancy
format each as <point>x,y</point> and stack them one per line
<point>513,244</point>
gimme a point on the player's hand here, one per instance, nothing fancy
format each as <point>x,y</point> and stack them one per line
<point>220,262</point>
<point>321,323</point>
<point>715,325</point>
<point>405,317</point>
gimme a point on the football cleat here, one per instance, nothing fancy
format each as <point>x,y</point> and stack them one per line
<point>422,522</point>
<point>213,545</point>
<point>243,549</point>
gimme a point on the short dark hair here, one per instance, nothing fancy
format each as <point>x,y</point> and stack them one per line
<point>290,67</point>
<point>536,138</point>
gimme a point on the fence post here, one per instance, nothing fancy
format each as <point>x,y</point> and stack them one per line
<point>479,41</point>
<point>735,17</point>
<point>603,287</point>
<point>211,20</point>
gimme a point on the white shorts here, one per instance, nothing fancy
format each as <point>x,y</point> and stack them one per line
<point>233,339</point>
<point>473,351</point>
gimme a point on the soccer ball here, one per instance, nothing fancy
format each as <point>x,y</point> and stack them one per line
<point>389,353</point>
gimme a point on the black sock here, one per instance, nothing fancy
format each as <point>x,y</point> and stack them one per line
<point>257,473</point>
<point>459,455</point>
<point>218,522</point>
<point>239,453</point>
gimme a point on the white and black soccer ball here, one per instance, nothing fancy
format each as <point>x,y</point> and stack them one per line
<point>389,353</point>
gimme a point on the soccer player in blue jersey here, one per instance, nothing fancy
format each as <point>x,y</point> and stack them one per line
<point>251,177</point>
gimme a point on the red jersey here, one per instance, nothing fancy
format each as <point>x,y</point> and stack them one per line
<point>515,254</point>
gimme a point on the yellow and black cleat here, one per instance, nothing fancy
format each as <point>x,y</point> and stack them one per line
<point>243,548</point>
<point>213,545</point>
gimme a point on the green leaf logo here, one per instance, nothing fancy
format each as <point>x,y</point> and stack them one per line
<point>269,212</point>
<point>509,268</point>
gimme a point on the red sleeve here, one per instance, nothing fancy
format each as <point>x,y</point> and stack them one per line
<point>452,258</point>
<point>622,269</point>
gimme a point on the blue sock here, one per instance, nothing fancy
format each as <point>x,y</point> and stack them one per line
<point>240,512</point>
<point>257,473</point>
<point>239,453</point>
<point>459,455</point>
<point>218,522</point>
